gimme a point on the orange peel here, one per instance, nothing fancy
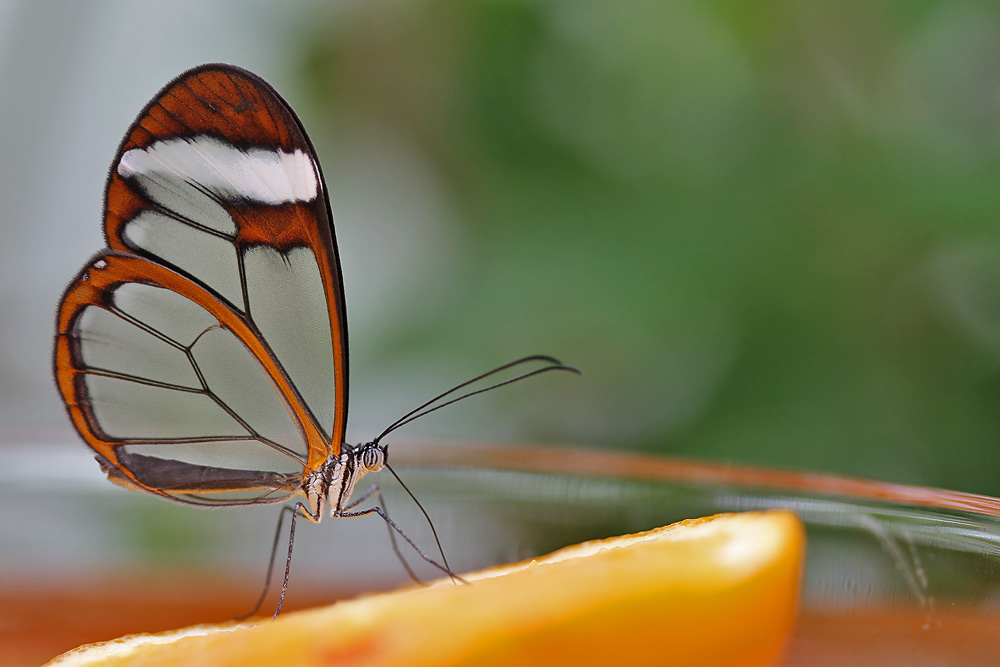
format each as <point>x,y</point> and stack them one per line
<point>721,590</point>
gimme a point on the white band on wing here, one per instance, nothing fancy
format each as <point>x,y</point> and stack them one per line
<point>258,175</point>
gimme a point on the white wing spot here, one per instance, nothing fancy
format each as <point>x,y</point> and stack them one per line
<point>259,175</point>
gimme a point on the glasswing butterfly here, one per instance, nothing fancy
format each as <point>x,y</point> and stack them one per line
<point>203,354</point>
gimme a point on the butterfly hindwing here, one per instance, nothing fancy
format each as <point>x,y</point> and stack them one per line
<point>204,355</point>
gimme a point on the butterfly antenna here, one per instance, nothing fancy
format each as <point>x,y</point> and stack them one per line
<point>444,559</point>
<point>553,364</point>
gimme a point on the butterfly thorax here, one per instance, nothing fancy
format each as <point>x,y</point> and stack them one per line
<point>333,483</point>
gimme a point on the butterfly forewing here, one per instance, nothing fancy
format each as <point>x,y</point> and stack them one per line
<point>204,355</point>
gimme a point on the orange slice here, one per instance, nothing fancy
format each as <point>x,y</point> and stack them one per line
<point>716,591</point>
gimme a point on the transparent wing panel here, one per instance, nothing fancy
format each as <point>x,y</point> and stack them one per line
<point>129,410</point>
<point>238,380</point>
<point>109,342</point>
<point>288,305</point>
<point>172,315</point>
<point>209,258</point>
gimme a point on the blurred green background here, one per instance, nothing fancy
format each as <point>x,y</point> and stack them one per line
<point>768,233</point>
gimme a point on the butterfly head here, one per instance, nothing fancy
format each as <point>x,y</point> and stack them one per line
<point>371,457</point>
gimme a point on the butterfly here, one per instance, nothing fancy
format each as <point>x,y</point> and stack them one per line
<point>202,355</point>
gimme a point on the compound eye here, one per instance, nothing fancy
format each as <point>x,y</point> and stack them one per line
<point>372,457</point>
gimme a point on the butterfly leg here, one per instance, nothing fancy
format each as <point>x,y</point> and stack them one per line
<point>392,535</point>
<point>294,511</point>
<point>378,509</point>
